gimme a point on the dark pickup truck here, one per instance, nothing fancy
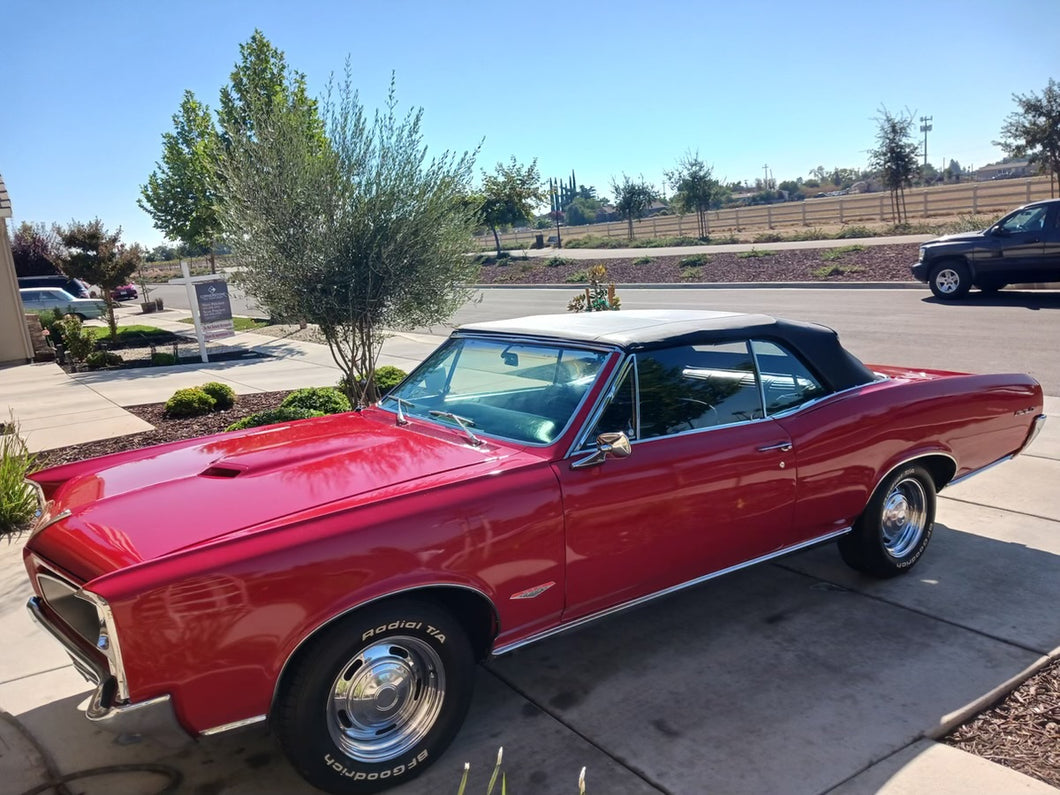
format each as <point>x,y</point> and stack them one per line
<point>1021,248</point>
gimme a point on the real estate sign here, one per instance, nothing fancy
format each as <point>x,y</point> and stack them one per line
<point>215,309</point>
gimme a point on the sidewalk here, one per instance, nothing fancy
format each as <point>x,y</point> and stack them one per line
<point>804,678</point>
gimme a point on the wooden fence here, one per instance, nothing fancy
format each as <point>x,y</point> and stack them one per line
<point>946,201</point>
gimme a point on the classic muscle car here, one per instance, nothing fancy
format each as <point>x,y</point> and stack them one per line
<point>341,576</point>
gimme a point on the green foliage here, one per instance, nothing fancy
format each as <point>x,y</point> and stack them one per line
<point>694,259</point>
<point>325,399</point>
<point>273,416</point>
<point>578,277</point>
<point>968,223</point>
<point>100,359</point>
<point>387,377</point>
<point>78,341</point>
<point>755,253</point>
<point>691,273</point>
<point>97,256</point>
<point>697,190</point>
<point>509,195</point>
<point>833,254</point>
<point>768,237</point>
<point>189,402</point>
<point>632,198</point>
<point>598,297</point>
<point>377,238</point>
<point>595,241</point>
<point>848,232</point>
<point>582,210</point>
<point>642,261</point>
<point>1034,130</point>
<point>180,195</point>
<point>557,262</point>
<point>35,249</point>
<point>161,359</point>
<point>18,501</point>
<point>895,156</point>
<point>135,333</point>
<point>223,395</point>
<point>812,233</point>
<point>825,271</point>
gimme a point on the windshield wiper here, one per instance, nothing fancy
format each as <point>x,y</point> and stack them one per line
<point>464,423</point>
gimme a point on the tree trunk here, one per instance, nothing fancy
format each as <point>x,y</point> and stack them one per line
<point>629,221</point>
<point>213,262</point>
<point>496,239</point>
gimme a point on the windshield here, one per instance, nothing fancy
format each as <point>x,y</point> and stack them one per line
<point>526,392</point>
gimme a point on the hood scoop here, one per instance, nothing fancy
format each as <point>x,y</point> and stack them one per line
<point>222,471</point>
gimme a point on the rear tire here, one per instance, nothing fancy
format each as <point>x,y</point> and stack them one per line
<point>894,529</point>
<point>950,279</point>
<point>376,698</point>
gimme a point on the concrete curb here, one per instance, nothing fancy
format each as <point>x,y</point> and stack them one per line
<point>720,286</point>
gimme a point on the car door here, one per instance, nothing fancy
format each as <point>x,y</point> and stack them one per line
<point>1014,248</point>
<point>709,482</point>
<point>1050,271</point>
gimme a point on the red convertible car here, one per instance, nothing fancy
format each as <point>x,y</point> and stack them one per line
<point>341,576</point>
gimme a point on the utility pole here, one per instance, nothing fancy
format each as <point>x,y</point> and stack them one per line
<point>925,127</point>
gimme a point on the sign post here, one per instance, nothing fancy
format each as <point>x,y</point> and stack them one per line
<point>211,309</point>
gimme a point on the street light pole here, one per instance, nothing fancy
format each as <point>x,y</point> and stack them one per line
<point>925,127</point>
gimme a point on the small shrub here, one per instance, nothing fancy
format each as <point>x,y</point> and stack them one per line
<point>596,241</point>
<point>729,238</point>
<point>833,254</point>
<point>18,500</point>
<point>827,271</point>
<point>755,253</point>
<point>190,402</point>
<point>387,377</point>
<point>691,274</point>
<point>578,277</point>
<point>642,261</point>
<point>768,237</point>
<point>98,359</point>
<point>325,399</point>
<point>78,340</point>
<point>273,416</point>
<point>671,242</point>
<point>557,262</point>
<point>855,231</point>
<point>224,396</point>
<point>161,359</point>
<point>813,233</point>
<point>694,259</point>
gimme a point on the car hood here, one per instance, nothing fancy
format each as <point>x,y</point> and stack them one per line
<point>962,237</point>
<point>132,507</point>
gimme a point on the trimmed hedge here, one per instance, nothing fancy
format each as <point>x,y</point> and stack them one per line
<point>190,402</point>
<point>273,416</point>
<point>324,399</point>
<point>224,396</point>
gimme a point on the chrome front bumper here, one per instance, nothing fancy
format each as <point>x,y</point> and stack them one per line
<point>154,718</point>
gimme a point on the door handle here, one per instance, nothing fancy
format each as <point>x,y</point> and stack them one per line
<point>783,447</point>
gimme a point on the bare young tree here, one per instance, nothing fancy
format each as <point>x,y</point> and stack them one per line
<point>1034,131</point>
<point>356,230</point>
<point>895,156</point>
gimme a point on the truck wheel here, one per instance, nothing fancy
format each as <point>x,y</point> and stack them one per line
<point>376,698</point>
<point>894,530</point>
<point>950,279</point>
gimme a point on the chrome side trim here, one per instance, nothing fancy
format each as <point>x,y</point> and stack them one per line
<point>979,471</point>
<point>112,648</point>
<point>227,727</point>
<point>1036,428</point>
<point>548,633</point>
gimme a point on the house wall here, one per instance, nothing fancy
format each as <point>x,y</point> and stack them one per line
<point>15,345</point>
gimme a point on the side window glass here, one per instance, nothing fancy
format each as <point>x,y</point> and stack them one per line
<point>1028,220</point>
<point>786,381</point>
<point>696,386</point>
<point>619,414</point>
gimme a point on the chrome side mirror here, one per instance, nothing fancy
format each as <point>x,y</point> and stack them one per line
<point>614,445</point>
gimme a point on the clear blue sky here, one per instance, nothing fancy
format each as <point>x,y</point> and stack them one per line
<point>601,88</point>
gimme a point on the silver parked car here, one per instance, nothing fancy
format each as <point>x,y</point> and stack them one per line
<point>37,299</point>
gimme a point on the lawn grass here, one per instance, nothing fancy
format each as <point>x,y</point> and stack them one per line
<point>239,323</point>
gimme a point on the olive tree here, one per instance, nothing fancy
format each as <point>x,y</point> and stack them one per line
<point>356,230</point>
<point>1034,130</point>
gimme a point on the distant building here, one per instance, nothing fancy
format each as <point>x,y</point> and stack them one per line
<point>1009,170</point>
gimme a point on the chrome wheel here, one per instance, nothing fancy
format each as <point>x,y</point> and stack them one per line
<point>948,281</point>
<point>905,517</point>
<point>386,699</point>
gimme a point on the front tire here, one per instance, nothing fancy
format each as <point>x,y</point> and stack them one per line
<point>377,698</point>
<point>894,530</point>
<point>950,279</point>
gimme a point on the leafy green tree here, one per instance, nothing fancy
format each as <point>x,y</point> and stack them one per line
<point>895,156</point>
<point>582,210</point>
<point>97,256</point>
<point>1034,131</point>
<point>356,231</point>
<point>632,198</point>
<point>180,194</point>
<point>35,249</point>
<point>696,188</point>
<point>259,84</point>
<point>509,196</point>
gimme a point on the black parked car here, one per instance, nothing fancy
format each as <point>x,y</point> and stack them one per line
<point>1022,247</point>
<point>76,287</point>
